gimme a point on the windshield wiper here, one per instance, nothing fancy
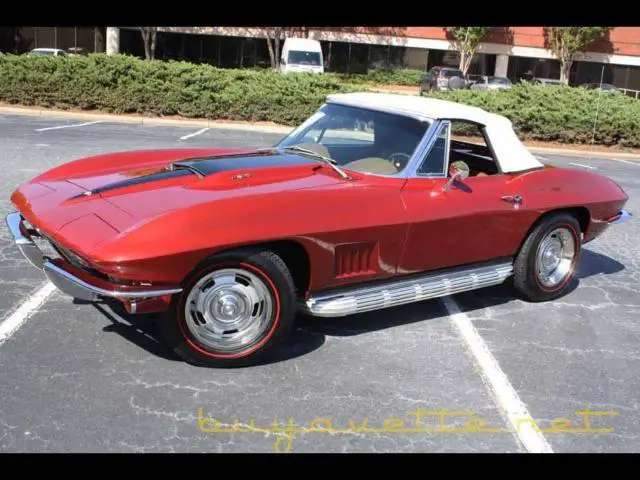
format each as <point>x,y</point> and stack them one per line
<point>329,161</point>
<point>187,166</point>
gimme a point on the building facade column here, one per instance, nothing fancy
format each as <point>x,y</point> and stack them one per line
<point>113,40</point>
<point>502,65</point>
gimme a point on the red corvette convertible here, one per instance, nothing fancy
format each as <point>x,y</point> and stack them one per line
<point>376,200</point>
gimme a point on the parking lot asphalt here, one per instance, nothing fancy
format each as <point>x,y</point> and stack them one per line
<point>83,378</point>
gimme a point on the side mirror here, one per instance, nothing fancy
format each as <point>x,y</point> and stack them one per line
<point>458,171</point>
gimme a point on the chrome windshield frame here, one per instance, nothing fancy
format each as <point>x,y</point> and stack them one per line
<point>416,158</point>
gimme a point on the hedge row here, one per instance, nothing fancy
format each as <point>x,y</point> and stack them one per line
<point>122,84</point>
<point>407,77</point>
<point>560,113</point>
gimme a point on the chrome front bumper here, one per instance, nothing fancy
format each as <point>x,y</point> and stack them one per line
<point>623,216</point>
<point>64,279</point>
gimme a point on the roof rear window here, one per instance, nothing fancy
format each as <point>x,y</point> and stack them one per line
<point>452,73</point>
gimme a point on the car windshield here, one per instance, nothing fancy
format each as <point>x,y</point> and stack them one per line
<point>359,139</point>
<point>42,52</point>
<point>298,57</point>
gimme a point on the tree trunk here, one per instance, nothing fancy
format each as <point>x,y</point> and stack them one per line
<point>565,70</point>
<point>149,39</point>
<point>271,57</point>
<point>152,48</point>
<point>145,40</point>
<point>273,43</point>
<point>465,61</point>
<point>277,48</point>
<point>462,60</point>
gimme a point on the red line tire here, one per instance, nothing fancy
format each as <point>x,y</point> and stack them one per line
<point>235,308</point>
<point>546,264</point>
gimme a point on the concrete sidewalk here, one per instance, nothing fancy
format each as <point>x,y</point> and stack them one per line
<point>260,127</point>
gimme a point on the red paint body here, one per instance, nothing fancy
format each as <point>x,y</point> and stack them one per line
<point>357,230</point>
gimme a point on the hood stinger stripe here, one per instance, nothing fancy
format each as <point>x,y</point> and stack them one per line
<point>162,175</point>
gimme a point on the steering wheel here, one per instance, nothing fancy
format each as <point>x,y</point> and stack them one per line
<point>399,159</point>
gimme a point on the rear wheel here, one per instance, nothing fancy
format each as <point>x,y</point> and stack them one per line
<point>547,261</point>
<point>233,310</point>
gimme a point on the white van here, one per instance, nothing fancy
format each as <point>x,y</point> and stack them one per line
<point>301,55</point>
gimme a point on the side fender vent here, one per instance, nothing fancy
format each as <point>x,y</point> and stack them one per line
<point>355,259</point>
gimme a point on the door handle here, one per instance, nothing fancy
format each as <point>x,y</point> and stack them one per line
<point>515,199</point>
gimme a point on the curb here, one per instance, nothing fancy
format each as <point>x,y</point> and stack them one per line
<point>252,127</point>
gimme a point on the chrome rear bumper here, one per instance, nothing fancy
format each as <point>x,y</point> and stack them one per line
<point>62,277</point>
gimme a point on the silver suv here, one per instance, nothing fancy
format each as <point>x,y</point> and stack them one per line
<point>442,78</point>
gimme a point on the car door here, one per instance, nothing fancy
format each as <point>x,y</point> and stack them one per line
<point>469,221</point>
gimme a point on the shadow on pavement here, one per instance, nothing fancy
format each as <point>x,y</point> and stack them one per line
<point>593,263</point>
<point>142,330</point>
<point>310,333</point>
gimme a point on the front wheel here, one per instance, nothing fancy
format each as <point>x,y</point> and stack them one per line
<point>233,310</point>
<point>547,261</point>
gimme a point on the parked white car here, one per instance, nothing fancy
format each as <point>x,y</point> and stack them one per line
<point>54,52</point>
<point>492,83</point>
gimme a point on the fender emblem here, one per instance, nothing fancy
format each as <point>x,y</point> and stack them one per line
<point>241,176</point>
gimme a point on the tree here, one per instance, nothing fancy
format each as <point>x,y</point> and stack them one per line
<point>466,40</point>
<point>565,42</point>
<point>149,35</point>
<point>274,34</point>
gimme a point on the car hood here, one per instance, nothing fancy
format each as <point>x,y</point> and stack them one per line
<point>88,201</point>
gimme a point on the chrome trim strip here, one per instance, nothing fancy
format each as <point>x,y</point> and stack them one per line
<point>424,147</point>
<point>403,291</point>
<point>624,216</point>
<point>78,288</point>
<point>25,243</point>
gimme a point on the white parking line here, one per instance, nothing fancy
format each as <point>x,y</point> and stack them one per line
<point>625,161</point>
<point>584,166</point>
<point>194,134</point>
<point>68,126</point>
<point>507,398</point>
<point>9,326</point>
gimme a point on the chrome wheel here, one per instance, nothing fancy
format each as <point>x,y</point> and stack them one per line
<point>229,309</point>
<point>555,257</point>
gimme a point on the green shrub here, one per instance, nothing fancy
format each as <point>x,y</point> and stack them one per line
<point>123,84</point>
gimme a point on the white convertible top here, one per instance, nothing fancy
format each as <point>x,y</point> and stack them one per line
<point>511,154</point>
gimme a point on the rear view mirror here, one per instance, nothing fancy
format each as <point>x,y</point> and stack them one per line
<point>460,168</point>
<point>457,171</point>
